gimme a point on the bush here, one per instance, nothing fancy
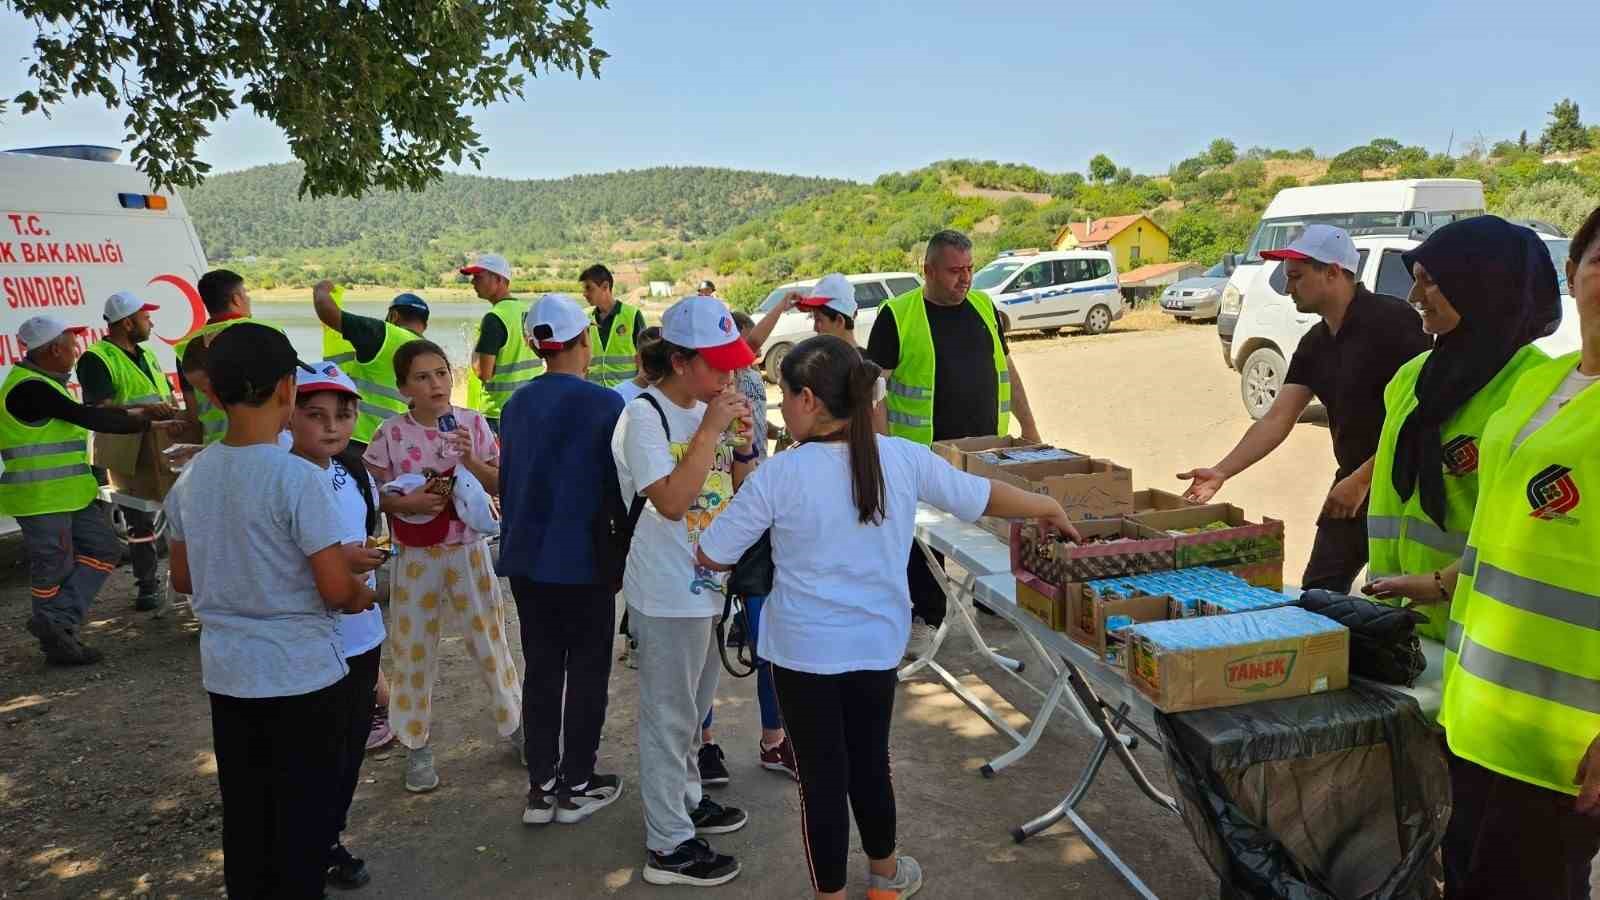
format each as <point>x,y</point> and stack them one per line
<point>1564,204</point>
<point>1281,183</point>
<point>1222,152</point>
<point>1215,185</point>
<point>1250,173</point>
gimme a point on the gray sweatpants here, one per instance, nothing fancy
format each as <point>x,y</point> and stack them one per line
<point>70,555</point>
<point>678,669</point>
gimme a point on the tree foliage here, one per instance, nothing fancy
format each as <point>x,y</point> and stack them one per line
<point>1565,132</point>
<point>1562,203</point>
<point>1222,152</point>
<point>1101,168</point>
<point>368,94</point>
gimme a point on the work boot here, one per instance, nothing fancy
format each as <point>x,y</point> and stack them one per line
<point>61,645</point>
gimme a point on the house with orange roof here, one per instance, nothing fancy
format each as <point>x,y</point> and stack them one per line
<point>1134,240</point>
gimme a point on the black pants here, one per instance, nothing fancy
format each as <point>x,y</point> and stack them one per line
<point>142,550</point>
<point>355,723</point>
<point>839,728</point>
<point>1508,838</point>
<point>566,653</point>
<point>927,597</point>
<point>1337,555</point>
<point>277,764</point>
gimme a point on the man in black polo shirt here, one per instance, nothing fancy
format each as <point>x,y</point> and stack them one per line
<point>1344,361</point>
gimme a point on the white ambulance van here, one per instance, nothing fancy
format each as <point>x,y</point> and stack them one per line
<point>75,228</point>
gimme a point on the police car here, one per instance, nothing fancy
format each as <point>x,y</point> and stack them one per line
<point>1054,289</point>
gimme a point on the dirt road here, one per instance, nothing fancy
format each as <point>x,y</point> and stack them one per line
<point>107,783</point>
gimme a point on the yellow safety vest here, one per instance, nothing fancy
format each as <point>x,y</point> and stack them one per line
<point>47,465</point>
<point>375,379</point>
<point>515,365</point>
<point>133,387</point>
<point>1401,539</point>
<point>335,348</point>
<point>1522,660</point>
<point>910,399</point>
<point>612,362</point>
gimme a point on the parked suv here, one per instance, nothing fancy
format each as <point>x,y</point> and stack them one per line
<point>872,290</point>
<point>1053,289</point>
<point>1268,328</point>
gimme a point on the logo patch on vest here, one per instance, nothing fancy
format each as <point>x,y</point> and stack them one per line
<point>1260,672</point>
<point>1552,493</point>
<point>621,328</point>
<point>1461,455</point>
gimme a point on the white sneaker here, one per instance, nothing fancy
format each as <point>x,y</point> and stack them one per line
<point>420,774</point>
<point>907,880</point>
<point>921,643</point>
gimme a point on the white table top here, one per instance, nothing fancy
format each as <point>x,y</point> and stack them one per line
<point>968,546</point>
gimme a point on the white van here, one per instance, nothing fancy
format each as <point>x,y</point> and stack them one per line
<point>1257,321</point>
<point>75,228</point>
<point>1054,289</point>
<point>872,289</point>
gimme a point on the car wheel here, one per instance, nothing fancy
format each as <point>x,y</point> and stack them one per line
<point>774,362</point>
<point>1097,321</point>
<point>1260,380</point>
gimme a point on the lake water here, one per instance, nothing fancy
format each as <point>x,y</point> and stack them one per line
<point>450,325</point>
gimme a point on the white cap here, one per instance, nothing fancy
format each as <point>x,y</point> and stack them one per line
<point>41,330</point>
<point>704,324</point>
<point>488,262</point>
<point>1323,243</point>
<point>123,304</point>
<point>323,376</point>
<point>554,320</point>
<point>834,292</point>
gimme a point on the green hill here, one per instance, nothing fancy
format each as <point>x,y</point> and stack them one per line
<point>254,217</point>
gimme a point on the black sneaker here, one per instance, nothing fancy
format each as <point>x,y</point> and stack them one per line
<point>576,804</point>
<point>541,809</point>
<point>345,871</point>
<point>694,862</point>
<point>711,817</point>
<point>713,768</point>
<point>147,601</point>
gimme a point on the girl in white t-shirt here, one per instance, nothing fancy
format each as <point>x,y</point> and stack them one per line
<point>841,507</point>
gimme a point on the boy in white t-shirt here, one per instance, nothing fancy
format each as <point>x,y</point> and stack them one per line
<point>256,541</point>
<point>323,421</point>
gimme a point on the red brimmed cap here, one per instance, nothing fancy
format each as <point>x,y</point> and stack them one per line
<point>705,325</point>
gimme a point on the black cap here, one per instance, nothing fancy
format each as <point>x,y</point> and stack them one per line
<point>411,302</point>
<point>246,361</point>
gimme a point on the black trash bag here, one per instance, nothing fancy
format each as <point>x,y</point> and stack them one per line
<point>1338,796</point>
<point>1383,639</point>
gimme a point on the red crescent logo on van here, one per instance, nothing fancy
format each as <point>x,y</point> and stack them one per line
<point>197,309</point>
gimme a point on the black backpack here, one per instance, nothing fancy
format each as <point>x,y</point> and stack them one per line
<point>614,527</point>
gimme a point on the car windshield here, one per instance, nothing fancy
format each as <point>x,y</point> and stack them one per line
<point>773,298</point>
<point>1558,255</point>
<point>1275,234</point>
<point>995,273</point>
<point>1217,271</point>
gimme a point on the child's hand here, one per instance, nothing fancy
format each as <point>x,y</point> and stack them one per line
<point>461,442</point>
<point>420,503</point>
<point>364,559</point>
<point>722,410</point>
<point>364,599</point>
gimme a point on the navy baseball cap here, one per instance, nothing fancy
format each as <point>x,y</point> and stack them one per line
<point>412,302</point>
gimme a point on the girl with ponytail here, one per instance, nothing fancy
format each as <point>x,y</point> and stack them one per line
<point>841,506</point>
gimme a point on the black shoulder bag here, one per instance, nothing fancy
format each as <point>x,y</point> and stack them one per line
<point>613,532</point>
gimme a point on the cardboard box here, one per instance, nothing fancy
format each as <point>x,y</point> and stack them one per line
<point>1265,573</point>
<point>1157,500</point>
<point>1240,542</point>
<point>1085,488</point>
<point>1043,601</point>
<point>1087,612</point>
<point>1255,666</point>
<point>1086,562</point>
<point>134,463</point>
<point>954,451</point>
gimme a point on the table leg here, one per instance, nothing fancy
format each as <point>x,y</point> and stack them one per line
<point>956,598</point>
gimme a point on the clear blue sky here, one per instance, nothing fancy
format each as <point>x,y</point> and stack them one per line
<point>854,88</point>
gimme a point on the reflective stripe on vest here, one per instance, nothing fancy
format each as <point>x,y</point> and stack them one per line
<point>130,385</point>
<point>375,379</point>
<point>46,465</point>
<point>612,363</point>
<point>909,401</point>
<point>1522,660</point>
<point>515,364</point>
<point>1401,538</point>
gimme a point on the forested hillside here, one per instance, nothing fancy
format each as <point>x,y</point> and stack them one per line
<point>410,238</point>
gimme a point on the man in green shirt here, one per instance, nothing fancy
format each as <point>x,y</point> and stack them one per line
<point>119,372</point>
<point>502,361</point>
<point>375,342</point>
<point>615,332</point>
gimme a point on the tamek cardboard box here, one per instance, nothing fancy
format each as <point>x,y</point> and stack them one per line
<point>954,451</point>
<point>1085,488</point>
<point>1135,555</point>
<point>1087,612</point>
<point>1157,500</point>
<point>134,463</point>
<point>1242,541</point>
<point>1043,601</point>
<point>1178,680</point>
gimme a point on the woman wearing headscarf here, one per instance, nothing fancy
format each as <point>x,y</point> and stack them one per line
<point>1521,707</point>
<point>1486,290</point>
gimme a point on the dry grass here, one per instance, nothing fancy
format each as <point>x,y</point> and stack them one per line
<point>1146,317</point>
<point>1306,170</point>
